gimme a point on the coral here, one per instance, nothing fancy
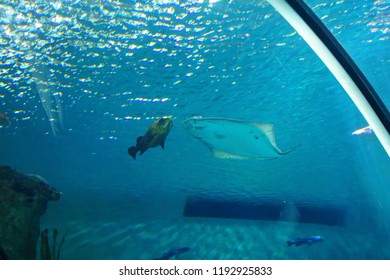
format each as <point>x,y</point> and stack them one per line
<point>23,200</point>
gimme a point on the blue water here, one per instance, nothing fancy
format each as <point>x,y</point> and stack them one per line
<point>81,80</point>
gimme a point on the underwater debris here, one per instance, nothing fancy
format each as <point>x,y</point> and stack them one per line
<point>154,136</point>
<point>23,200</point>
<point>54,252</point>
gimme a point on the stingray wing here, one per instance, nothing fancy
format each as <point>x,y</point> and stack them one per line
<point>235,139</point>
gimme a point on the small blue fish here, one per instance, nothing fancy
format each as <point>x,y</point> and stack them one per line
<point>308,240</point>
<point>174,252</point>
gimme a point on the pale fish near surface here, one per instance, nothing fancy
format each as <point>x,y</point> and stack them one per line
<point>364,130</point>
<point>235,139</point>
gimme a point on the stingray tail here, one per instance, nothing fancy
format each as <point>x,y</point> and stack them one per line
<point>132,151</point>
<point>288,151</point>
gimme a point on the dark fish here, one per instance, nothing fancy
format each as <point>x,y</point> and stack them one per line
<point>4,120</point>
<point>174,252</point>
<point>308,240</point>
<point>154,136</point>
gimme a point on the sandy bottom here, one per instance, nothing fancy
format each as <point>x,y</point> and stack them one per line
<point>215,239</point>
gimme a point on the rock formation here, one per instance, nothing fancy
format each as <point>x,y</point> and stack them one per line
<point>23,200</point>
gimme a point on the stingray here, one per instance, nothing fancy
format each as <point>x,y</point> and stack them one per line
<point>235,139</point>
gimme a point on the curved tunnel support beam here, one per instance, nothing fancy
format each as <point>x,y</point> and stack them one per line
<point>340,64</point>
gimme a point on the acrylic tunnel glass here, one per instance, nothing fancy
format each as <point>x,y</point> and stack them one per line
<point>81,82</point>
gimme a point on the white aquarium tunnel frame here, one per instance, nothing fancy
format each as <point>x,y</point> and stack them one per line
<point>339,63</point>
